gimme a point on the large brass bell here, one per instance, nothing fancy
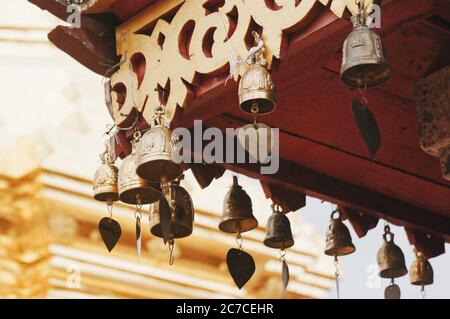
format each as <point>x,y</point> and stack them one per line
<point>154,159</point>
<point>364,63</point>
<point>132,188</point>
<point>390,258</point>
<point>279,234</point>
<point>421,272</point>
<point>105,181</point>
<point>257,91</point>
<point>237,211</point>
<point>182,213</point>
<point>338,238</point>
<point>256,88</point>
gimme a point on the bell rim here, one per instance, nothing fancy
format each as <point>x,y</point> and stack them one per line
<point>102,194</point>
<point>340,250</point>
<point>155,165</point>
<point>250,223</point>
<point>354,84</point>
<point>128,194</point>
<point>181,231</point>
<point>286,243</point>
<point>388,273</point>
<point>271,98</point>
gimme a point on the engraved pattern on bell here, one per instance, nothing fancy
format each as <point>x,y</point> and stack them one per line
<point>237,214</point>
<point>132,188</point>
<point>279,234</point>
<point>182,213</point>
<point>421,271</point>
<point>154,159</point>
<point>338,238</point>
<point>390,258</point>
<point>105,182</point>
<point>257,87</point>
<point>363,60</point>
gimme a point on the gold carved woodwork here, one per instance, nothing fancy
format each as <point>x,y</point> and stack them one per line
<point>198,39</point>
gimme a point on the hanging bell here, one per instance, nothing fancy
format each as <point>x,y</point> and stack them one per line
<point>237,211</point>
<point>132,188</point>
<point>363,62</point>
<point>105,181</point>
<point>181,215</point>
<point>154,159</point>
<point>257,91</point>
<point>279,234</point>
<point>338,238</point>
<point>390,258</point>
<point>421,272</point>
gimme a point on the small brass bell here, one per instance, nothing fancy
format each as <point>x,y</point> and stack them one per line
<point>256,88</point>
<point>237,211</point>
<point>421,272</point>
<point>390,258</point>
<point>364,63</point>
<point>132,188</point>
<point>154,159</point>
<point>338,238</point>
<point>181,216</point>
<point>279,234</point>
<point>105,181</point>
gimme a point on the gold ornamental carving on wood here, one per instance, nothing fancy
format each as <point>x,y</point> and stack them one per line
<point>173,43</point>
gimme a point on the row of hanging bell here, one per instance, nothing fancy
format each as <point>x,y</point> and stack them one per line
<point>238,218</point>
<point>279,236</point>
<point>338,243</point>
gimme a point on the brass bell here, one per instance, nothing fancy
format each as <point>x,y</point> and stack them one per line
<point>279,234</point>
<point>390,258</point>
<point>105,180</point>
<point>132,188</point>
<point>421,272</point>
<point>182,213</point>
<point>363,63</point>
<point>338,238</point>
<point>257,91</point>
<point>237,211</point>
<point>154,159</point>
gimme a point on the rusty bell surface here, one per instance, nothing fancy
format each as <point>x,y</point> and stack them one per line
<point>278,231</point>
<point>237,214</point>
<point>363,61</point>
<point>132,188</point>
<point>154,155</point>
<point>338,238</point>
<point>105,181</point>
<point>421,272</point>
<point>181,213</point>
<point>390,258</point>
<point>257,91</point>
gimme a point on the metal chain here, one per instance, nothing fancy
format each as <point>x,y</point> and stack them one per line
<point>282,255</point>
<point>109,207</point>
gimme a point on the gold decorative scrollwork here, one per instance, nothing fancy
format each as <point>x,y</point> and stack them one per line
<point>198,39</point>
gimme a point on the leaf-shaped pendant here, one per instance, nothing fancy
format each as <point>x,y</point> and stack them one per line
<point>241,266</point>
<point>138,239</point>
<point>367,126</point>
<point>110,232</point>
<point>164,219</point>
<point>284,276</point>
<point>392,292</point>
<point>261,147</point>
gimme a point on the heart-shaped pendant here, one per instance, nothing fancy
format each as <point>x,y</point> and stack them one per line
<point>110,232</point>
<point>241,266</point>
<point>257,140</point>
<point>392,292</point>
